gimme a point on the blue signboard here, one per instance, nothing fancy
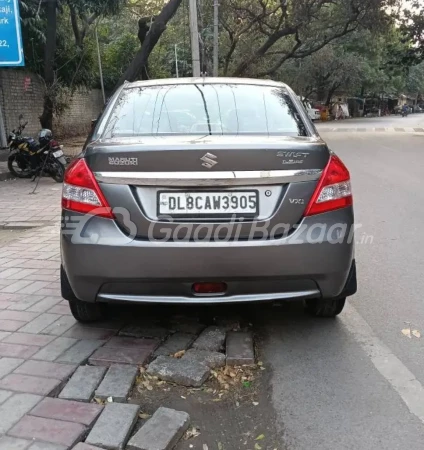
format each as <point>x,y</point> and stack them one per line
<point>11,51</point>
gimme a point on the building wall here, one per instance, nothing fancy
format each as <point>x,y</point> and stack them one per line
<point>84,106</point>
<point>21,92</point>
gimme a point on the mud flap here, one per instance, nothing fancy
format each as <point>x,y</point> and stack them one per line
<point>351,285</point>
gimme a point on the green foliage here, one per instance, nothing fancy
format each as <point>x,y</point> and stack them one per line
<point>117,55</point>
<point>73,66</point>
<point>100,7</point>
<point>319,47</point>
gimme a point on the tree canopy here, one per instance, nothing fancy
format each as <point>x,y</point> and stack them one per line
<point>361,47</point>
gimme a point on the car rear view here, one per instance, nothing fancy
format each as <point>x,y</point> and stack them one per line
<point>206,191</point>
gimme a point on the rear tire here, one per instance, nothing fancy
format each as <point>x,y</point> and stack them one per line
<point>325,307</point>
<point>82,311</point>
<point>87,312</point>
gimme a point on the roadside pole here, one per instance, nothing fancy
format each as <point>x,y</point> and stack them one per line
<point>100,66</point>
<point>194,35</point>
<point>176,61</point>
<point>215,38</point>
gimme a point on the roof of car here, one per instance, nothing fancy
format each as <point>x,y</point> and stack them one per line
<point>206,80</point>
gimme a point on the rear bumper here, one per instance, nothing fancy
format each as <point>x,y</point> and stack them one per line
<point>102,264</point>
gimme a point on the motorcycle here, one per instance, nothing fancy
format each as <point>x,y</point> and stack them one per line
<point>404,113</point>
<point>29,158</point>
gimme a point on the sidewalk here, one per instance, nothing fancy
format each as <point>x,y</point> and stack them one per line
<point>41,345</point>
<point>52,368</point>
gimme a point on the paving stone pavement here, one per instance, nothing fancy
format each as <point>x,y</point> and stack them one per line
<point>162,431</point>
<point>46,386</point>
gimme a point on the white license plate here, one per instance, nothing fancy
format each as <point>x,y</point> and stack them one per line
<point>58,153</point>
<point>208,203</point>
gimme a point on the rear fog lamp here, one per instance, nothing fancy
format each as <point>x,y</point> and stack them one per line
<point>209,288</point>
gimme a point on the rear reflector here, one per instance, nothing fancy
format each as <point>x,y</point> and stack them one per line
<point>81,193</point>
<point>209,288</point>
<point>333,190</point>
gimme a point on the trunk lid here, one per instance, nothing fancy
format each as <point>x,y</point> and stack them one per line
<point>138,173</point>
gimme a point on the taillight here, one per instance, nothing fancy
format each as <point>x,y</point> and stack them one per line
<point>81,193</point>
<point>333,190</point>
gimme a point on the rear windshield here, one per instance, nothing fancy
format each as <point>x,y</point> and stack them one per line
<point>199,109</point>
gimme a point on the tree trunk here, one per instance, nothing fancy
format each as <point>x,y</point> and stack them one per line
<point>138,65</point>
<point>261,51</point>
<point>46,118</point>
<point>331,92</point>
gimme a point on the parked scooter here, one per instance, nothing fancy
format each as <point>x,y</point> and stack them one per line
<point>29,158</point>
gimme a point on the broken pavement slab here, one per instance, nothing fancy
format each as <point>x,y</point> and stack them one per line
<point>106,356</point>
<point>240,350</point>
<point>188,372</point>
<point>175,343</point>
<point>162,431</point>
<point>213,360</point>
<point>114,426</point>
<point>117,383</point>
<point>83,383</point>
<point>211,339</point>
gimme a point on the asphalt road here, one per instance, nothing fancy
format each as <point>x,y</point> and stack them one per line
<point>357,382</point>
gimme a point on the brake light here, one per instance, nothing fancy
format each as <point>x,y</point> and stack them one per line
<point>333,190</point>
<point>81,192</point>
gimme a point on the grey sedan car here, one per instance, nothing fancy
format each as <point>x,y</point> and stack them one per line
<point>209,190</point>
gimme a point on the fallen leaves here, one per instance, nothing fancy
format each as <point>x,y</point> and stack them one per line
<point>260,437</point>
<point>231,377</point>
<point>191,433</point>
<point>144,416</point>
<point>409,332</point>
<point>148,382</point>
<point>179,354</point>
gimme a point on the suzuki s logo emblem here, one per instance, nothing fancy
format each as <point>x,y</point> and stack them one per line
<point>209,160</point>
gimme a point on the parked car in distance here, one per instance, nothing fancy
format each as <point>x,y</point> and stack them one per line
<point>313,113</point>
<point>205,191</point>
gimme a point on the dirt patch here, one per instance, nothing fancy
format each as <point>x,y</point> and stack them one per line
<point>231,411</point>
